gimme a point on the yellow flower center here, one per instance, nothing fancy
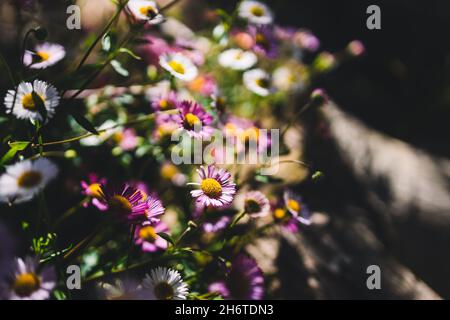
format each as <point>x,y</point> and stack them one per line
<point>43,56</point>
<point>148,233</point>
<point>28,102</point>
<point>148,11</point>
<point>191,120</point>
<point>168,171</point>
<point>25,284</point>
<point>177,67</point>
<point>119,204</point>
<point>252,206</point>
<point>257,11</point>
<point>279,214</point>
<point>29,179</point>
<point>95,190</point>
<point>211,188</point>
<point>164,291</point>
<point>294,205</point>
<point>263,83</point>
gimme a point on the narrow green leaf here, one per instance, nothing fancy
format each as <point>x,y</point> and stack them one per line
<point>130,53</point>
<point>83,122</point>
<point>166,237</point>
<point>40,105</point>
<point>15,147</point>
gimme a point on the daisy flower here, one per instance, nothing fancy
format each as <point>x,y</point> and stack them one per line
<point>126,202</point>
<point>237,59</point>
<point>194,119</point>
<point>20,102</point>
<point>171,173</point>
<point>145,11</point>
<point>255,12</point>
<point>23,180</point>
<point>165,284</point>
<point>179,66</point>
<point>93,189</point>
<point>27,283</point>
<point>44,56</point>
<point>155,209</point>
<point>244,282</point>
<point>284,78</point>
<point>264,41</point>
<point>216,187</point>
<point>296,207</point>
<point>256,204</point>
<point>146,236</point>
<point>123,289</point>
<point>288,222</point>
<point>164,101</point>
<point>166,125</point>
<point>257,81</point>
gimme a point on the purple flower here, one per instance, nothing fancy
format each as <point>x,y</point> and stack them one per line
<point>146,236</point>
<point>245,281</point>
<point>265,42</point>
<point>294,204</point>
<point>92,188</point>
<point>126,202</point>
<point>256,204</point>
<point>27,283</point>
<point>194,119</point>
<point>164,101</point>
<point>216,188</point>
<point>216,223</point>
<point>155,209</point>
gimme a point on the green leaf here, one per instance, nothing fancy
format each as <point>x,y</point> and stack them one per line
<point>130,53</point>
<point>166,237</point>
<point>40,105</point>
<point>15,147</point>
<point>83,122</point>
<point>117,66</point>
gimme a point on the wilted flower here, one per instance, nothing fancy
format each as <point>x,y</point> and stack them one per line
<point>257,81</point>
<point>22,103</point>
<point>237,59</point>
<point>165,284</point>
<point>27,283</point>
<point>44,55</point>
<point>244,282</point>
<point>146,236</point>
<point>255,12</point>
<point>216,188</point>
<point>179,66</point>
<point>23,180</point>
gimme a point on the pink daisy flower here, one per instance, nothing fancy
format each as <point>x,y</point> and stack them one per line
<point>256,204</point>
<point>216,187</point>
<point>194,119</point>
<point>164,101</point>
<point>146,236</point>
<point>294,204</point>
<point>93,189</point>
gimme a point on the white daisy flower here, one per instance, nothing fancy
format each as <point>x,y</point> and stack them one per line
<point>146,11</point>
<point>166,284</point>
<point>285,79</point>
<point>44,55</point>
<point>23,180</point>
<point>237,59</point>
<point>21,102</point>
<point>255,12</point>
<point>257,81</point>
<point>179,66</point>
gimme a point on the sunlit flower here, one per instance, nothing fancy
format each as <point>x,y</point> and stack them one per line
<point>204,84</point>
<point>44,55</point>
<point>164,101</point>
<point>257,81</point>
<point>265,42</point>
<point>165,284</point>
<point>296,207</point>
<point>93,189</point>
<point>179,66</point>
<point>126,202</point>
<point>237,59</point>
<point>21,102</point>
<point>155,209</point>
<point>245,281</point>
<point>194,119</point>
<point>146,236</point>
<point>23,180</point>
<point>286,219</point>
<point>145,11</point>
<point>285,78</point>
<point>27,283</point>
<point>255,12</point>
<point>216,187</point>
<point>256,204</point>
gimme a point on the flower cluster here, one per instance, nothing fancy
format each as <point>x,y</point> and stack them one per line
<point>91,163</point>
